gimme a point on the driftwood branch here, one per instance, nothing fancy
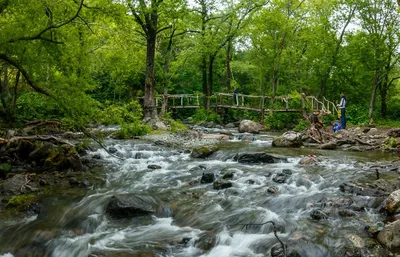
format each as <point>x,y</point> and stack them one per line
<point>284,247</point>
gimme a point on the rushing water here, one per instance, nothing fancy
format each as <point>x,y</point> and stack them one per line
<point>193,219</point>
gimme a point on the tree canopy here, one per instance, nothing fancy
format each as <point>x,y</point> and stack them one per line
<point>71,59</point>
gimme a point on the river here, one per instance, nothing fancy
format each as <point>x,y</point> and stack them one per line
<point>193,219</point>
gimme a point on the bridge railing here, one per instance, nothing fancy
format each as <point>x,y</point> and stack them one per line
<point>324,106</point>
<point>248,102</point>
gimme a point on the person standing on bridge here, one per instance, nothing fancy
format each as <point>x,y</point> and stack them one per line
<point>342,107</point>
<point>235,96</point>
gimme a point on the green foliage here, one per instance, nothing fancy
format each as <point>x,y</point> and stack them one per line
<point>390,143</point>
<point>120,114</point>
<point>21,202</point>
<point>33,105</point>
<point>280,121</point>
<point>327,119</point>
<point>302,125</point>
<point>202,115</point>
<point>174,125</point>
<point>129,130</point>
<point>128,117</point>
<point>357,115</point>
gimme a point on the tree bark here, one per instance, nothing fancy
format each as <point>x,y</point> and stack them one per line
<point>203,68</point>
<point>228,66</point>
<point>149,106</point>
<point>372,101</point>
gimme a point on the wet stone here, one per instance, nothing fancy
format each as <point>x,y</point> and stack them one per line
<point>281,178</point>
<point>346,213</point>
<point>222,184</point>
<point>112,149</point>
<point>198,168</point>
<point>273,190</point>
<point>97,156</point>
<point>207,178</point>
<point>318,215</point>
<point>154,167</point>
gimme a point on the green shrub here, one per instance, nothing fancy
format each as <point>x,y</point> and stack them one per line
<point>280,121</point>
<point>119,114</point>
<point>129,130</point>
<point>202,115</point>
<point>390,143</point>
<point>174,125</point>
<point>302,125</point>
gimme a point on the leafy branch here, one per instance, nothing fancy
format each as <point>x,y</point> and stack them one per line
<point>39,35</point>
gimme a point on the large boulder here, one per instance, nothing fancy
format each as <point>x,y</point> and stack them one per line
<point>128,205</point>
<point>42,153</point>
<point>257,158</point>
<point>393,203</point>
<point>249,127</point>
<point>390,235</point>
<point>289,139</point>
<point>19,184</point>
<point>203,151</point>
<point>394,132</point>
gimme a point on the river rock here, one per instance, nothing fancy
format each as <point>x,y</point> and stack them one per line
<point>281,178</point>
<point>129,205</point>
<point>208,177</point>
<point>273,190</point>
<point>328,146</point>
<point>198,168</point>
<point>153,166</point>
<point>348,187</point>
<point>112,149</point>
<point>390,235</point>
<point>278,250</point>
<point>257,158</point>
<point>393,203</point>
<point>15,185</point>
<point>221,184</point>
<point>289,139</point>
<point>40,154</point>
<point>318,215</point>
<point>203,151</point>
<point>346,213</point>
<point>249,127</point>
<point>308,160</point>
<point>394,132</point>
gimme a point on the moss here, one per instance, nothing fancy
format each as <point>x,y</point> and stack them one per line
<point>21,202</point>
<point>55,160</point>
<point>5,167</point>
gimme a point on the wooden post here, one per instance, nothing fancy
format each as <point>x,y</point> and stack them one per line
<point>303,105</point>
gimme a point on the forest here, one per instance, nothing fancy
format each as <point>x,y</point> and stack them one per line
<point>83,61</point>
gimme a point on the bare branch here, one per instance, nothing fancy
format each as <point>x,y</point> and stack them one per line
<point>52,26</point>
<point>86,23</point>
<point>165,28</point>
<point>138,19</point>
<point>28,79</point>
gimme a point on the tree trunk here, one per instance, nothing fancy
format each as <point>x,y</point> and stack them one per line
<point>384,101</point>
<point>4,89</point>
<point>149,106</point>
<point>203,67</point>
<point>228,66</point>
<point>372,102</point>
<point>210,80</point>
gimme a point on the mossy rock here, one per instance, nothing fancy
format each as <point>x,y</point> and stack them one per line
<point>21,202</point>
<point>204,151</point>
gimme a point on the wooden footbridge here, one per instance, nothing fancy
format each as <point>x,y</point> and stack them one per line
<point>260,104</point>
